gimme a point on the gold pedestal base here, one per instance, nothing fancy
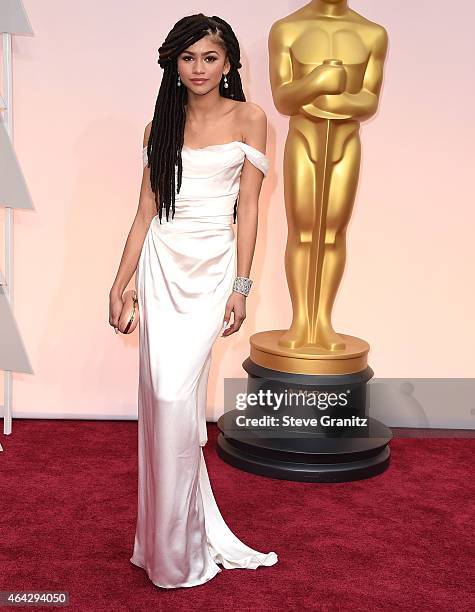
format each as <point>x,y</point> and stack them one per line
<point>308,359</point>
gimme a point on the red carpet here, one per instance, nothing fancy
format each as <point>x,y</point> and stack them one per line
<point>400,541</point>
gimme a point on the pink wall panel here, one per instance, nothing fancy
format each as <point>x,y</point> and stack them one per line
<point>84,88</point>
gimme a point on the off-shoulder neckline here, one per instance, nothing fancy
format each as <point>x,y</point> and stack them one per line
<point>224,144</point>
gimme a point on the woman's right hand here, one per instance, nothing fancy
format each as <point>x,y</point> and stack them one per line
<point>116,304</point>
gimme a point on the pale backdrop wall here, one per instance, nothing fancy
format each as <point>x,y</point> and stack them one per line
<point>84,88</point>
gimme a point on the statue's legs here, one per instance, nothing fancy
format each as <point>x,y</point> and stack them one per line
<point>299,194</point>
<point>303,194</point>
<point>342,190</point>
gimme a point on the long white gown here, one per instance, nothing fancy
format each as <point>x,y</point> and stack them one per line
<point>184,277</point>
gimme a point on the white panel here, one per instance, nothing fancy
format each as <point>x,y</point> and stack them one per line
<point>13,188</point>
<point>13,356</point>
<point>13,18</point>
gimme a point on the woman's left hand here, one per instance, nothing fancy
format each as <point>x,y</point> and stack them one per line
<point>236,304</point>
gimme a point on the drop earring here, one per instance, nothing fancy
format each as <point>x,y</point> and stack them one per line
<point>225,82</point>
<point>178,82</point>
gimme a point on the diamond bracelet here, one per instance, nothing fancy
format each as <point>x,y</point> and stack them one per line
<point>242,285</point>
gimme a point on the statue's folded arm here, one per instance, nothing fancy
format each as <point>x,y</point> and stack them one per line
<point>364,103</point>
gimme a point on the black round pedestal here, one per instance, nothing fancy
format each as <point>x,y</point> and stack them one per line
<point>328,454</point>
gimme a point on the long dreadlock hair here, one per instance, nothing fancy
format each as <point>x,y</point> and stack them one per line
<point>168,125</point>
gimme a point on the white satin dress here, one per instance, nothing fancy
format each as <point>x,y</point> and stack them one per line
<point>184,278</point>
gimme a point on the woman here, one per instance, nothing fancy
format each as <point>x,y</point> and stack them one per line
<point>203,148</point>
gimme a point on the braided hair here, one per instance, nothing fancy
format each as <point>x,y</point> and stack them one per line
<point>168,125</point>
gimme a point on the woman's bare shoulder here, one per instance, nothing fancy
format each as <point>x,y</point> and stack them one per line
<point>253,122</point>
<point>146,135</point>
<point>250,112</point>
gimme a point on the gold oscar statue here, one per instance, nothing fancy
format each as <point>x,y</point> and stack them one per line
<point>326,70</point>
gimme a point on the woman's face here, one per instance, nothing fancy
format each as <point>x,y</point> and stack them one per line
<point>202,65</point>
